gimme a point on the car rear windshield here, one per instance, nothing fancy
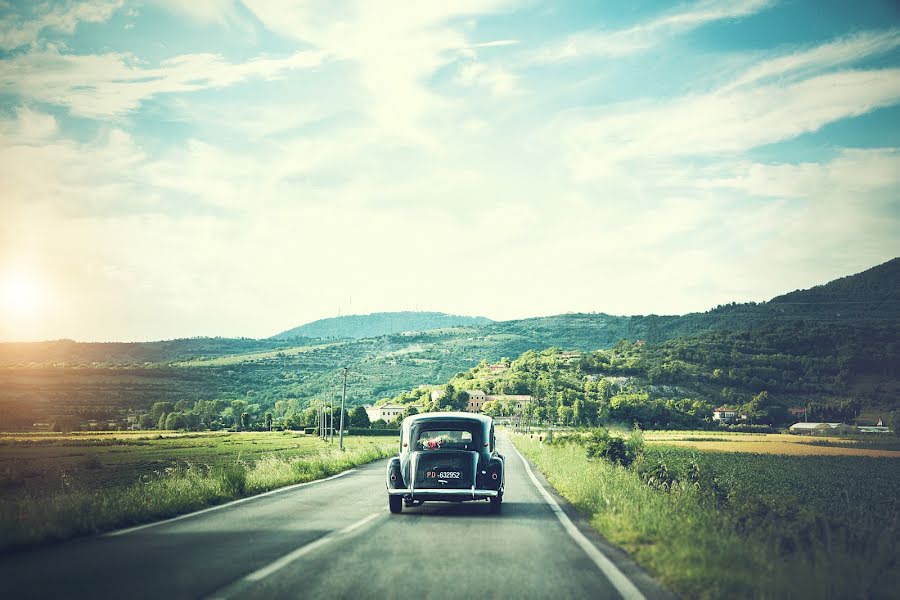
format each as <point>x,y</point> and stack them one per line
<point>444,439</point>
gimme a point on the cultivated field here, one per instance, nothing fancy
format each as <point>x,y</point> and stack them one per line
<point>713,524</point>
<point>54,486</point>
<point>779,443</point>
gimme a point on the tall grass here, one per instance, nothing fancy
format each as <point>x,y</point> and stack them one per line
<point>694,547</point>
<point>70,512</point>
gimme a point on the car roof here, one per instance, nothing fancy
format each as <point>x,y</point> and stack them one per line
<point>455,416</point>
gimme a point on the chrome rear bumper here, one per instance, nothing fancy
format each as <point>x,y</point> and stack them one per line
<point>470,493</point>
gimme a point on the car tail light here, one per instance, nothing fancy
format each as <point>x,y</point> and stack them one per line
<point>405,444</point>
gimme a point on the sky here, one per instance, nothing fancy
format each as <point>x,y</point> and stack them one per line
<point>175,169</point>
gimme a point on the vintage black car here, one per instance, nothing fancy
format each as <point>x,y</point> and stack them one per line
<point>446,456</point>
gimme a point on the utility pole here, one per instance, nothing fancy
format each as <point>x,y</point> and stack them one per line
<point>331,435</point>
<point>331,417</point>
<point>343,399</point>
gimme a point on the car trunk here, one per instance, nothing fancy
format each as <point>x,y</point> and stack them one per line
<point>444,469</point>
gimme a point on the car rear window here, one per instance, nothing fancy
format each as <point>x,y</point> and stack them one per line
<point>444,439</point>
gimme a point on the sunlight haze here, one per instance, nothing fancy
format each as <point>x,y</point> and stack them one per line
<point>223,168</point>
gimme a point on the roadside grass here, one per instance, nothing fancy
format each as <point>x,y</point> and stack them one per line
<point>705,533</point>
<point>47,494</point>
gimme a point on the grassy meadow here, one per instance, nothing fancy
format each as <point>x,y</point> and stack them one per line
<point>731,524</point>
<point>55,486</point>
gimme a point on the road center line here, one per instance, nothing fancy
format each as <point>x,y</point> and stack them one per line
<point>234,589</point>
<point>303,550</point>
<point>616,577</point>
<point>226,505</point>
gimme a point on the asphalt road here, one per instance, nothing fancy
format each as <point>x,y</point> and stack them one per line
<point>336,539</point>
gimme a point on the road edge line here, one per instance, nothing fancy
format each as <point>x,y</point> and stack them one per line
<point>287,488</point>
<point>626,588</point>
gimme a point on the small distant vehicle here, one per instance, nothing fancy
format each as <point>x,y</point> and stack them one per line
<point>447,457</point>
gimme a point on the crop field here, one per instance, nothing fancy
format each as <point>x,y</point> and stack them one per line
<point>716,524</point>
<point>54,486</point>
<point>236,359</point>
<point>777,443</point>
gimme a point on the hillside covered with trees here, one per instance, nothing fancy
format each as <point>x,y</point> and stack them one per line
<point>806,346</point>
<point>833,371</point>
<point>378,324</point>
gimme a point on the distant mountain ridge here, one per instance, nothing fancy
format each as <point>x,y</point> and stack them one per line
<point>400,351</point>
<point>378,324</point>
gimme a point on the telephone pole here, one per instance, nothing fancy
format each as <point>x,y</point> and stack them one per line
<point>343,399</point>
<point>331,435</point>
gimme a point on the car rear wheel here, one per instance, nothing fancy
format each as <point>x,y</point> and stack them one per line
<point>396,504</point>
<point>496,503</point>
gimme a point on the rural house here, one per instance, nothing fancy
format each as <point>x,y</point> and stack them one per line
<point>388,411</point>
<point>725,414</point>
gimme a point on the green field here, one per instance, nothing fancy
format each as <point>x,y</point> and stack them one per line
<point>56,486</point>
<point>741,525</point>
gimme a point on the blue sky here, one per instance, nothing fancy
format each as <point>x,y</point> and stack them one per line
<point>230,168</point>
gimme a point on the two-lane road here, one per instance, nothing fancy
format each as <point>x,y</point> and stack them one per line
<point>335,539</point>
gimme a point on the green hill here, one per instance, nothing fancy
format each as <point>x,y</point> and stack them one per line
<point>376,324</point>
<point>41,380</point>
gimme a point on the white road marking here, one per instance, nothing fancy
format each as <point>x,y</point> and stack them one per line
<point>235,588</point>
<point>616,577</point>
<point>303,550</point>
<point>226,505</point>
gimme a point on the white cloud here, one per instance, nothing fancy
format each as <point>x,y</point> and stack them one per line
<point>395,45</point>
<point>854,176</point>
<point>826,56</point>
<point>113,84</point>
<point>18,30</point>
<point>646,35</point>
<point>722,122</point>
<point>220,12</point>
<point>497,80</point>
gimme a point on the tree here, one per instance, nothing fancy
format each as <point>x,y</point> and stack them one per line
<point>359,418</point>
<point>458,401</point>
<point>409,411</point>
<point>245,421</point>
<point>158,409</point>
<point>269,421</point>
<point>894,421</point>
<point>379,424</point>
<point>238,407</point>
<point>176,420</point>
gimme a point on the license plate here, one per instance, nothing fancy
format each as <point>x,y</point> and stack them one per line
<point>444,474</point>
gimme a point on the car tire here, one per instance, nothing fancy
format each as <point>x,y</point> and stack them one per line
<point>496,503</point>
<point>396,504</point>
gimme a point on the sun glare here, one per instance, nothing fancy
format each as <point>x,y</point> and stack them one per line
<point>20,295</point>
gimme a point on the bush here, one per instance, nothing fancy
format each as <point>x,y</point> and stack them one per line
<point>234,478</point>
<point>382,432</point>
<point>613,448</point>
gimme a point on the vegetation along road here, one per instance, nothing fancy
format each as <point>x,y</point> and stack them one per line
<point>335,539</point>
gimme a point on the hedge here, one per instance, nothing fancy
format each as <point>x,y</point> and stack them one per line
<point>363,431</point>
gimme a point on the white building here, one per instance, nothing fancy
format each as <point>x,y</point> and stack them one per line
<point>725,414</point>
<point>388,411</point>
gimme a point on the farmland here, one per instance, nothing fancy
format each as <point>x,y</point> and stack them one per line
<point>778,443</point>
<point>714,524</point>
<point>55,486</point>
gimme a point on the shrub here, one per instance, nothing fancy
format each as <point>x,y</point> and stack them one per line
<point>613,448</point>
<point>233,477</point>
